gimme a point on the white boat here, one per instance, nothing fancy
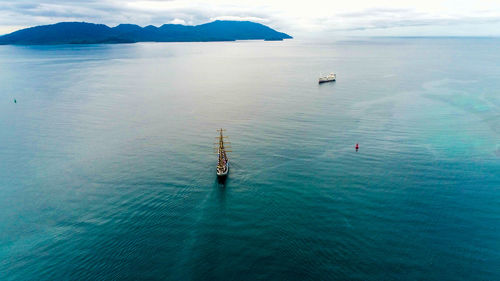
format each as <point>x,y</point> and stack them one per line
<point>330,77</point>
<point>223,161</point>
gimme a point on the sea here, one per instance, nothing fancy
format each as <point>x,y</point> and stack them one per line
<point>107,164</point>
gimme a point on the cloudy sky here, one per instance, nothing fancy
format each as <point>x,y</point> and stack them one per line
<point>300,18</point>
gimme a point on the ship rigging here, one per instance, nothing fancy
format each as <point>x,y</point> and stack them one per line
<point>222,161</point>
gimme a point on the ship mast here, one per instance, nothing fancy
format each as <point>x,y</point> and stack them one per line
<point>221,151</point>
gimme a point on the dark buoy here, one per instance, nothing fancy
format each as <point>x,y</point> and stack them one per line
<point>15,101</point>
<point>357,147</point>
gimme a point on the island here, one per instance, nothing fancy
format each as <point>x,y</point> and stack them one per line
<point>90,33</point>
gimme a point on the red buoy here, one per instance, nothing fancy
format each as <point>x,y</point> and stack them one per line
<point>357,146</point>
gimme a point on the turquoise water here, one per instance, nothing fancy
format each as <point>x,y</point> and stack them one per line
<point>107,169</point>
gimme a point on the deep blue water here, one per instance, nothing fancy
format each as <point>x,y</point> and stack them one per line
<point>107,169</point>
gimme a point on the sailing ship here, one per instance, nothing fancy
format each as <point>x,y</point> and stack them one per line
<point>223,161</point>
<point>330,77</point>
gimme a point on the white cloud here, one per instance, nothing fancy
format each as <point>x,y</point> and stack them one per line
<point>178,21</point>
<point>237,18</point>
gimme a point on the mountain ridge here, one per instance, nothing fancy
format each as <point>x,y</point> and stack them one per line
<point>91,33</point>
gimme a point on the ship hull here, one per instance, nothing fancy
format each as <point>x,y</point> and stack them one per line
<point>223,173</point>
